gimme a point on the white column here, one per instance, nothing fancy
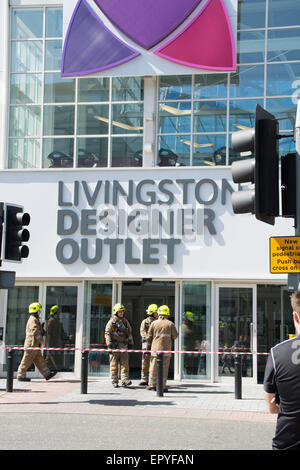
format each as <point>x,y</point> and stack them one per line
<point>150,100</point>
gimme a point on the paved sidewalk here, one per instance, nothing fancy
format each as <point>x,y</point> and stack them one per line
<point>189,400</point>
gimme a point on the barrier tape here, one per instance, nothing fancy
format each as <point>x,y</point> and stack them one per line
<point>232,353</point>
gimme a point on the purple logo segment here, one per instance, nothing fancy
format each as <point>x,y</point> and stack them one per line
<point>147,22</point>
<point>89,46</point>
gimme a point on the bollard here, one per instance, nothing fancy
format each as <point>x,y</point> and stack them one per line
<point>159,380</point>
<point>238,376</point>
<point>84,371</point>
<point>10,370</point>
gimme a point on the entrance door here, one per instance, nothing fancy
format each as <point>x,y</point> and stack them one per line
<point>60,327</point>
<point>136,296</point>
<point>236,332</point>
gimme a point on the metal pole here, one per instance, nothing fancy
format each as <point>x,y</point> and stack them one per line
<point>84,371</point>
<point>159,381</point>
<point>238,376</point>
<point>10,370</point>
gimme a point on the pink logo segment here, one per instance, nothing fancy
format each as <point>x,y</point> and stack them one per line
<point>206,43</point>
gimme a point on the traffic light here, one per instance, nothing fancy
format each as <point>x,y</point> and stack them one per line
<point>14,233</point>
<point>262,169</point>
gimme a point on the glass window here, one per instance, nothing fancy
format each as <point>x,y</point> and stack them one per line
<point>235,318</point>
<point>58,153</point>
<point>25,121</point>
<point>210,86</point>
<point>26,88</point>
<point>27,56</point>
<point>59,90</point>
<point>18,300</point>
<point>53,53</point>
<point>247,81</point>
<point>93,119</point>
<point>98,303</point>
<point>175,87</point>
<point>195,330</point>
<point>251,14</point>
<point>126,151</point>
<point>210,116</point>
<point>251,46</point>
<point>283,109</point>
<point>27,23</point>
<point>283,79</point>
<point>127,118</point>
<point>174,117</point>
<point>93,89</point>
<point>242,113</point>
<point>174,150</point>
<point>24,153</point>
<point>54,22</point>
<point>285,13</point>
<point>92,152</point>
<point>284,44</point>
<point>209,150</point>
<point>127,89</point>
<point>59,120</point>
<point>273,305</point>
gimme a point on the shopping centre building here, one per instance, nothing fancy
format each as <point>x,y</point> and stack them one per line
<point>115,136</point>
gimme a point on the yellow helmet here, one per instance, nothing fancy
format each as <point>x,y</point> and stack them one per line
<point>34,307</point>
<point>151,309</point>
<point>117,308</point>
<point>164,310</point>
<point>54,309</point>
<point>190,316</point>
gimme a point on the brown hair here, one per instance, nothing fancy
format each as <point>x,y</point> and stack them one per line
<point>295,301</point>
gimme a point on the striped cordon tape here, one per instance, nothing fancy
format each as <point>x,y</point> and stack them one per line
<point>232,353</point>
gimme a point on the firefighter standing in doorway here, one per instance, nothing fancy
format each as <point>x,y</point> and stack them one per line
<point>34,339</point>
<point>145,325</point>
<point>118,335</point>
<point>160,336</point>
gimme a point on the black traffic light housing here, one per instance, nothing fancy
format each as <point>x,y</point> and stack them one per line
<point>262,170</point>
<point>15,233</point>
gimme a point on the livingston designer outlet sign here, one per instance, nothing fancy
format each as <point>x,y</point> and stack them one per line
<point>142,222</point>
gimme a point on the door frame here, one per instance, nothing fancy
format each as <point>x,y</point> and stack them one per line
<point>253,328</point>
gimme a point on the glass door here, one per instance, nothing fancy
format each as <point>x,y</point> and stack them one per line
<point>99,298</point>
<point>236,329</point>
<point>60,315</point>
<point>60,327</point>
<point>18,300</point>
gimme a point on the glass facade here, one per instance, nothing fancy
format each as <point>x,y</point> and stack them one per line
<point>63,122</point>
<point>99,122</point>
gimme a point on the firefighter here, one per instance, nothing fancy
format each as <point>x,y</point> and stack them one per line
<point>145,325</point>
<point>34,339</point>
<point>118,335</point>
<point>160,336</point>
